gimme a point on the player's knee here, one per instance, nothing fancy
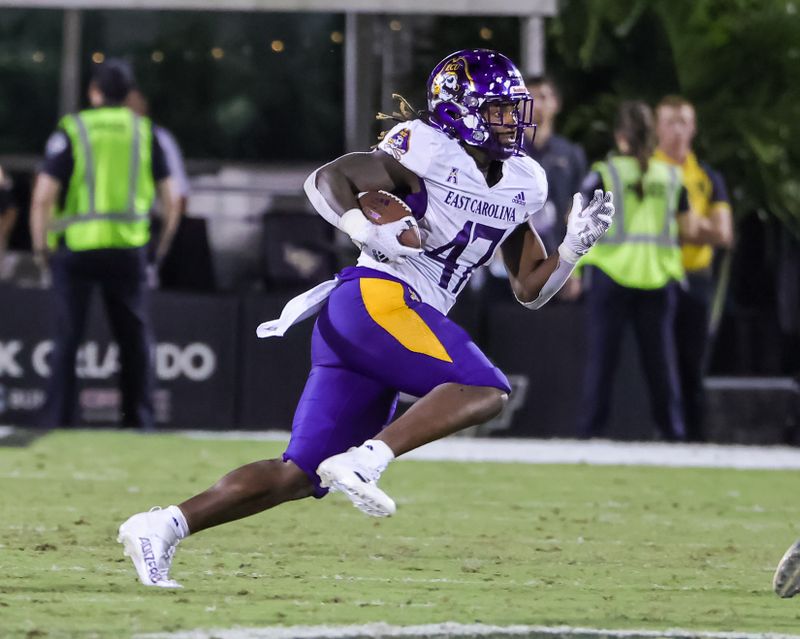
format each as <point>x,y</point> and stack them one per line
<point>492,404</point>
<point>497,402</point>
<point>294,482</point>
<point>273,478</point>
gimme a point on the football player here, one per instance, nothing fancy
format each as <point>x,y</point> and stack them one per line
<point>382,326</point>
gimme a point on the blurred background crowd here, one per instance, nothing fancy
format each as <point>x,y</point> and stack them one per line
<point>251,99</point>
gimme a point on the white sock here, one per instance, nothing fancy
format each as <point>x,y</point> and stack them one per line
<point>381,450</point>
<point>177,522</point>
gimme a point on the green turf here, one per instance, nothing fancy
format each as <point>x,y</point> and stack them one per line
<point>607,547</point>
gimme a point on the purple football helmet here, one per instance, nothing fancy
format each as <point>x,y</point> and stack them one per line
<point>462,84</point>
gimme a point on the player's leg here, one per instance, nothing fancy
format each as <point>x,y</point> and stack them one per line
<point>338,409</point>
<point>379,327</point>
<point>245,491</point>
<point>150,538</point>
<point>345,408</point>
<point>786,581</point>
<point>654,324</point>
<point>413,347</point>
<point>445,410</point>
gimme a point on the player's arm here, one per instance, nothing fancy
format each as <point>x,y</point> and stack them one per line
<point>527,263</point>
<point>340,181</point>
<point>333,191</point>
<point>536,277</point>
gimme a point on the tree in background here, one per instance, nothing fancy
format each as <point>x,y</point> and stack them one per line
<point>738,61</point>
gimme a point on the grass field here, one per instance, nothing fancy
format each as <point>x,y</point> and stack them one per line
<point>590,546</point>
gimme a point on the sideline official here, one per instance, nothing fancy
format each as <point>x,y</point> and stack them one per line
<point>634,274</point>
<point>708,196</point>
<point>89,222</point>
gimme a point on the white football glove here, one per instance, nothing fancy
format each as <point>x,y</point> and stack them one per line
<point>381,240</point>
<point>586,225</point>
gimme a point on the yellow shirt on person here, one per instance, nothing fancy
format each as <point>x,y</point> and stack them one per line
<point>707,192</point>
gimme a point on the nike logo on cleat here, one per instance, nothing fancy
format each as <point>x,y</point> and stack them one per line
<point>360,476</point>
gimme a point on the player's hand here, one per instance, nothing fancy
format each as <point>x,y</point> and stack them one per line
<point>586,225</point>
<point>381,241</point>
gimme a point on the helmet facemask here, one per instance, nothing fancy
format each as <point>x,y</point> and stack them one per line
<point>515,116</point>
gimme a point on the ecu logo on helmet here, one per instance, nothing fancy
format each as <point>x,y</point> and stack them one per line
<point>448,84</point>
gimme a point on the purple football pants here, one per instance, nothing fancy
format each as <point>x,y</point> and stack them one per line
<point>372,339</point>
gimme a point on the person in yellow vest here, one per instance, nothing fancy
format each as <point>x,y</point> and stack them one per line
<point>89,223</point>
<point>708,197</point>
<point>633,274</point>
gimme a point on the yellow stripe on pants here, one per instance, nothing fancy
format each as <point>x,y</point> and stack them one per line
<point>387,308</point>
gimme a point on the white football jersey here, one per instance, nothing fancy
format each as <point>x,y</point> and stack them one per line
<point>462,220</point>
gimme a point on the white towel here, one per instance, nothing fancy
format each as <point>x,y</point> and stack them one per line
<point>297,309</point>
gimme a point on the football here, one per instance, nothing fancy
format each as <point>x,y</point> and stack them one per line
<point>382,207</point>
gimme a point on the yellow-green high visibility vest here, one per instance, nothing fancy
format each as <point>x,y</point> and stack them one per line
<point>111,189</point>
<point>641,248</point>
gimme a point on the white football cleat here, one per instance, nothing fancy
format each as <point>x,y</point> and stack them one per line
<point>356,474</point>
<point>786,582</point>
<point>150,543</point>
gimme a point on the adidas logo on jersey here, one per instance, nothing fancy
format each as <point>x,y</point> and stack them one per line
<point>519,198</point>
